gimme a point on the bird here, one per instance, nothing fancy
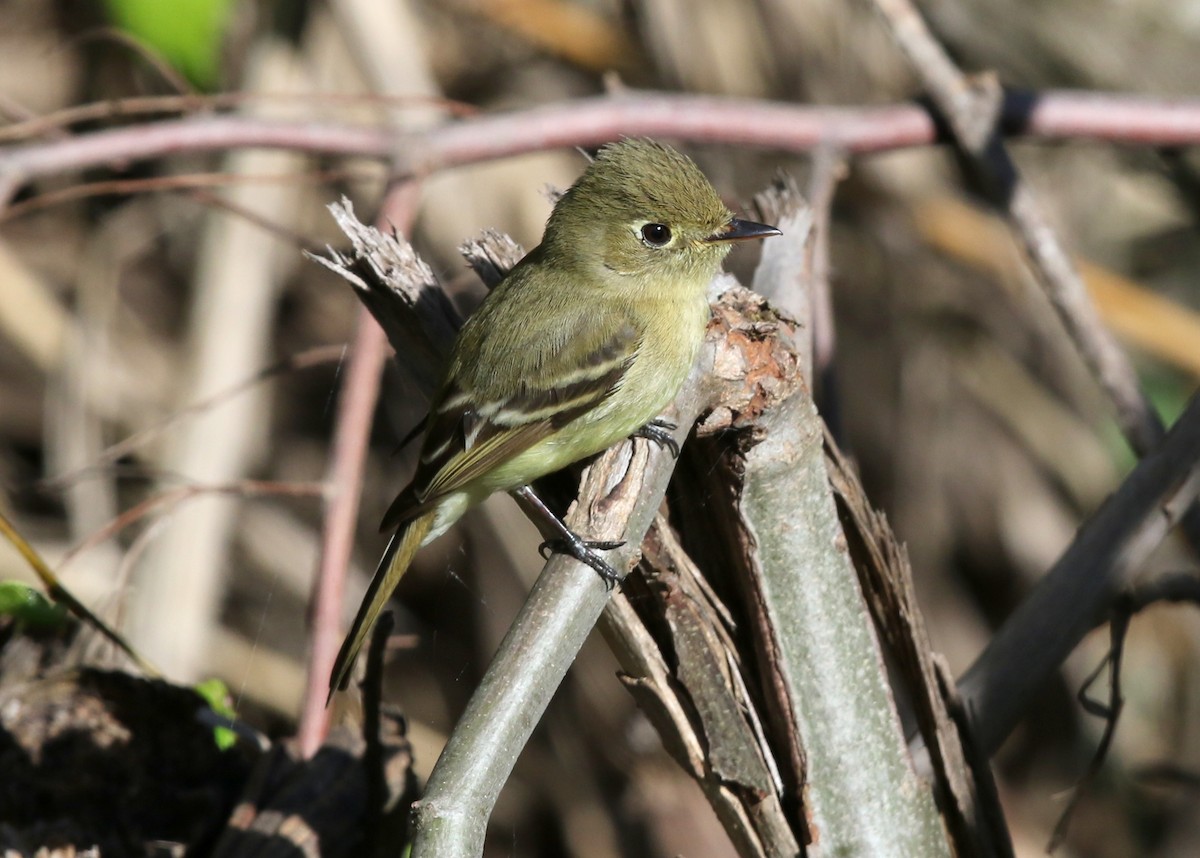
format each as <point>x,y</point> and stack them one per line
<point>582,344</point>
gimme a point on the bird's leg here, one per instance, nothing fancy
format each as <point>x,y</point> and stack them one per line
<point>585,552</point>
<point>659,431</point>
<point>561,540</point>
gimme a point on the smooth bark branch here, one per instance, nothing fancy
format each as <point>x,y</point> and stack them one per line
<point>828,170</point>
<point>862,796</point>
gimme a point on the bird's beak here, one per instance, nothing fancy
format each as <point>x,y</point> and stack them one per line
<point>742,230</point>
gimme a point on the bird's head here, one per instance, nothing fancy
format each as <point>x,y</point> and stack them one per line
<point>645,211</point>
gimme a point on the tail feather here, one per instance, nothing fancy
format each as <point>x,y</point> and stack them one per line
<point>395,562</point>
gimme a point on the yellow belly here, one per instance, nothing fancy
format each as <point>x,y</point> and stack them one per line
<point>669,348</point>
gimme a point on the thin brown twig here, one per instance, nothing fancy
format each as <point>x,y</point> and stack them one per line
<point>1173,587</point>
<point>972,108</point>
<point>166,70</point>
<point>266,224</point>
<point>241,488</point>
<point>179,182</point>
<point>1110,712</point>
<point>22,116</point>
<point>31,125</point>
<point>300,360</point>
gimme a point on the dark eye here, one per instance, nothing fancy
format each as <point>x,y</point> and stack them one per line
<point>656,234</point>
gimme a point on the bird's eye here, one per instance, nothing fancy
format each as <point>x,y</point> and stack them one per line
<point>656,234</point>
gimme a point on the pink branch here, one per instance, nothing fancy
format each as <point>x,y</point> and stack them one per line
<point>1129,119</point>
<point>789,127</point>
<point>356,407</point>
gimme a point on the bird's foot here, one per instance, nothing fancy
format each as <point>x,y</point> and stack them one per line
<point>659,431</point>
<point>585,552</point>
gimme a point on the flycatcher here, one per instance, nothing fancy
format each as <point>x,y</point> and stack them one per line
<point>587,339</point>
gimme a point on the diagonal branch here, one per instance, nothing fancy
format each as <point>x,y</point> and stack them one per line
<point>972,108</point>
<point>1076,595</point>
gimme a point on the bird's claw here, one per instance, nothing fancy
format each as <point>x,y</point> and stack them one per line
<point>659,431</point>
<point>585,552</point>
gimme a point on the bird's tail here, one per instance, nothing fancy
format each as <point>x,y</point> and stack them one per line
<point>394,563</point>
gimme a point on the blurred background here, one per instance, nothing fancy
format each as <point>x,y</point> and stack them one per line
<point>150,311</point>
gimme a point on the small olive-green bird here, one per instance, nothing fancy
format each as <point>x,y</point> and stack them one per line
<point>586,340</point>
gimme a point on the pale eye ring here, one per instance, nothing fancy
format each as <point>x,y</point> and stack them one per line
<point>656,234</point>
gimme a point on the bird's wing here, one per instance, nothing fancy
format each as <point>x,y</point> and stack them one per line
<point>470,434</point>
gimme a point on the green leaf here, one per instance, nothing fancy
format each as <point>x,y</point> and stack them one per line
<point>29,607</point>
<point>216,694</point>
<point>188,33</point>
